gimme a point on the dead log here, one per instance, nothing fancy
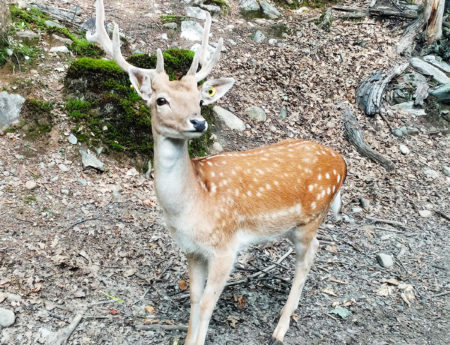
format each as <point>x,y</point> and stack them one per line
<point>434,14</point>
<point>405,45</point>
<point>387,11</point>
<point>355,136</point>
<point>326,19</point>
<point>370,91</point>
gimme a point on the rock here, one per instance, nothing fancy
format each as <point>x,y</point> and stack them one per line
<point>272,41</point>
<point>60,49</point>
<point>431,173</point>
<point>438,63</point>
<point>62,40</point>
<point>357,209</point>
<point>268,10</point>
<point>213,9</point>
<point>409,108</point>
<point>91,161</point>
<point>397,132</point>
<point>63,167</point>
<point>283,112</point>
<point>446,171</point>
<point>171,26</point>
<point>425,213</point>
<point>258,36</point>
<point>10,107</point>
<point>27,34</point>
<point>52,24</point>
<point>428,69</point>
<point>385,260</point>
<point>229,119</point>
<point>217,147</point>
<point>195,12</point>
<point>249,6</point>
<point>30,185</point>
<point>7,317</point>
<point>66,15</point>
<point>404,149</point>
<point>191,30</point>
<point>89,25</point>
<point>72,139</point>
<point>256,113</point>
<point>442,93</point>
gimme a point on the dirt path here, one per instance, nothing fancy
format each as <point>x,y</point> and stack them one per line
<point>80,238</point>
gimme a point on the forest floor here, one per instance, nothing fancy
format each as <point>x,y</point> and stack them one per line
<point>95,243</point>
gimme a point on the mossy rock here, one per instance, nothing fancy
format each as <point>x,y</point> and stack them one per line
<point>173,18</point>
<point>295,4</point>
<point>107,112</point>
<point>223,4</point>
<point>36,119</point>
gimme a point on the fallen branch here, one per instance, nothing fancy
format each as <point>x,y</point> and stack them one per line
<point>386,11</point>
<point>405,45</point>
<point>326,20</point>
<point>371,90</point>
<point>158,326</point>
<point>386,221</point>
<point>356,138</point>
<point>64,334</point>
<point>351,12</point>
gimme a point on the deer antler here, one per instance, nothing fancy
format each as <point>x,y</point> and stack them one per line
<point>112,48</point>
<point>207,66</point>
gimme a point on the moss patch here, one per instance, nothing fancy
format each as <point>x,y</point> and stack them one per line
<point>294,4</point>
<point>107,112</point>
<point>37,119</point>
<point>173,18</point>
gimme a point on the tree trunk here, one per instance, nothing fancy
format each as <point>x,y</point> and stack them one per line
<point>4,19</point>
<point>434,14</point>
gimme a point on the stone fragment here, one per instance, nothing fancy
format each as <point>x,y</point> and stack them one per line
<point>249,6</point>
<point>62,40</point>
<point>258,36</point>
<point>446,171</point>
<point>425,213</point>
<point>409,108</point>
<point>404,149</point>
<point>268,10</point>
<point>428,69</point>
<point>442,93</point>
<point>52,24</point>
<point>195,12</point>
<point>10,107</point>
<point>438,63</point>
<point>229,119</point>
<point>30,185</point>
<point>63,167</point>
<point>27,34</point>
<point>385,260</point>
<point>91,161</point>
<point>72,139</point>
<point>7,317</point>
<point>60,49</point>
<point>256,113</point>
<point>171,26</point>
<point>191,30</point>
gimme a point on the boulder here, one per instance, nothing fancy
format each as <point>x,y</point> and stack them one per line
<point>229,119</point>
<point>428,69</point>
<point>191,30</point>
<point>10,107</point>
<point>256,113</point>
<point>269,11</point>
<point>247,6</point>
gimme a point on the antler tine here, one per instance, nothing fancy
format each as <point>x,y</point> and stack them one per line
<point>207,66</point>
<point>112,48</point>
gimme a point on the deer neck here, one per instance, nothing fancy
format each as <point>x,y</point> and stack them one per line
<point>175,182</point>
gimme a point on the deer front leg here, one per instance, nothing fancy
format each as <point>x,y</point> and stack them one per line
<point>198,271</point>
<point>305,256</point>
<point>219,268</point>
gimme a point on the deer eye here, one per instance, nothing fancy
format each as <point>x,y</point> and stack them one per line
<point>211,92</point>
<point>161,101</point>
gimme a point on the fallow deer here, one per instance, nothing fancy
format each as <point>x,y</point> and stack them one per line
<point>214,206</point>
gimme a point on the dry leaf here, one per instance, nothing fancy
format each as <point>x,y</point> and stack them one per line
<point>334,280</point>
<point>329,291</point>
<point>151,321</point>
<point>241,302</point>
<point>331,249</point>
<point>295,317</point>
<point>150,309</point>
<point>182,285</point>
<point>113,311</point>
<point>385,290</point>
<point>233,320</point>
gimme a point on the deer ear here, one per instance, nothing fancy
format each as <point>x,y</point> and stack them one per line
<point>142,82</point>
<point>212,90</point>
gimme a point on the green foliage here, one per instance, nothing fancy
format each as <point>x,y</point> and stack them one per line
<point>111,113</point>
<point>33,18</point>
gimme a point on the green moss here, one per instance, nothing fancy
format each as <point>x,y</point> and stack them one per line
<point>295,4</point>
<point>173,18</point>
<point>37,118</point>
<point>111,114</point>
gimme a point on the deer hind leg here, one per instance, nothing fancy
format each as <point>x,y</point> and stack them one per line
<point>219,268</point>
<point>198,271</point>
<point>306,244</point>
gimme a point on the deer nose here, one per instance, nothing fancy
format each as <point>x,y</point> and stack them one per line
<point>199,125</point>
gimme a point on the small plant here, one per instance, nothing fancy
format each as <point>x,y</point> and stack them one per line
<point>37,118</point>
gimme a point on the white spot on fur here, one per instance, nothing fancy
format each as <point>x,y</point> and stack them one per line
<point>327,176</point>
<point>338,177</point>
<point>310,187</point>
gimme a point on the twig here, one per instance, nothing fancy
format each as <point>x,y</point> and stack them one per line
<point>81,222</point>
<point>65,333</point>
<point>445,293</point>
<point>386,221</point>
<point>443,215</point>
<point>158,326</point>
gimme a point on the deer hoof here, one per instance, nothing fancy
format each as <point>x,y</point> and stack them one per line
<point>274,341</point>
